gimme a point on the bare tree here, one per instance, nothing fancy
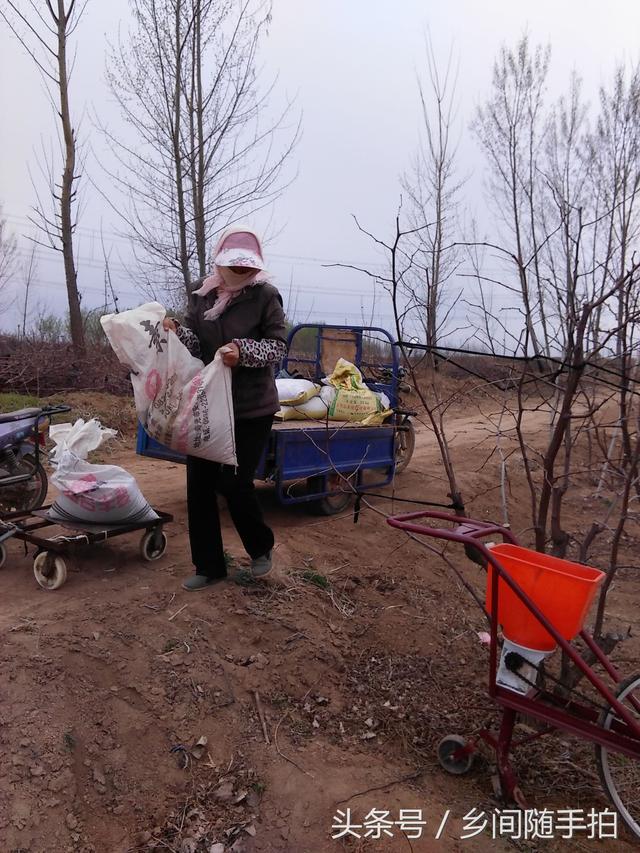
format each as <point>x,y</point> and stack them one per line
<point>187,82</point>
<point>8,250</point>
<point>509,127</point>
<point>433,189</point>
<point>575,210</point>
<point>400,251</point>
<point>29,271</point>
<point>44,32</point>
<point>622,458</point>
<point>568,233</point>
<point>612,152</point>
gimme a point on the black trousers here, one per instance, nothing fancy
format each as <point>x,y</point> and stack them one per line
<point>206,480</point>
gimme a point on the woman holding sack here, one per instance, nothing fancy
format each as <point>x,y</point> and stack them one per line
<point>237,311</point>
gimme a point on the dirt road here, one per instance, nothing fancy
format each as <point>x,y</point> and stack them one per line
<point>363,651</point>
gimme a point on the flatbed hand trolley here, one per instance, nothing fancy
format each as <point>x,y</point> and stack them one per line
<point>49,565</point>
<point>542,600</point>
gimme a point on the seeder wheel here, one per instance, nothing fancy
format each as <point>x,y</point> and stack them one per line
<point>50,570</point>
<point>153,545</point>
<point>3,554</point>
<point>620,774</point>
<point>452,763</point>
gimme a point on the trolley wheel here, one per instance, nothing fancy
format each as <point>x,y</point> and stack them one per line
<point>50,570</point>
<point>153,545</point>
<point>404,445</point>
<point>3,555</point>
<point>447,748</point>
<point>620,774</point>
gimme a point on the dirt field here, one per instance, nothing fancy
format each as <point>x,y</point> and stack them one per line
<point>363,650</point>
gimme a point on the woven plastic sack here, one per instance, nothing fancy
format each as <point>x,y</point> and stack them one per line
<point>353,402</point>
<point>354,405</point>
<point>92,494</point>
<point>315,409</point>
<point>293,392</point>
<point>345,375</point>
<point>181,402</point>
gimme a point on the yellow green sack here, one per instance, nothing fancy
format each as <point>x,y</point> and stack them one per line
<point>353,402</point>
<point>346,375</point>
<point>377,418</point>
<point>354,405</point>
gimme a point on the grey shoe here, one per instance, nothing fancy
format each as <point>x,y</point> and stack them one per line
<point>261,566</point>
<point>197,582</point>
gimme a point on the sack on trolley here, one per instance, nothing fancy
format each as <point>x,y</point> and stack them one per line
<point>92,494</point>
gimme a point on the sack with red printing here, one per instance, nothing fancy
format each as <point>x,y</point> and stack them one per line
<point>181,402</point>
<point>92,494</point>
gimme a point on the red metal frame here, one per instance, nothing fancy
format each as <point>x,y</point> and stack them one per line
<point>568,716</point>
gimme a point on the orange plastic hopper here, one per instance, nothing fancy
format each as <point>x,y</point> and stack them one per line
<point>563,592</point>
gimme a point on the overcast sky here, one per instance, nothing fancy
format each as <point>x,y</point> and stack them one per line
<point>351,66</point>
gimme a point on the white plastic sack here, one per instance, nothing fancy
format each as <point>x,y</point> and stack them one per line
<point>317,408</point>
<point>386,402</point>
<point>182,403</point>
<point>81,437</point>
<point>93,494</point>
<point>292,392</point>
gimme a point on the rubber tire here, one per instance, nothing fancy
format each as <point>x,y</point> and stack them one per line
<point>602,757</point>
<point>3,554</point>
<point>39,494</point>
<point>447,746</point>
<point>330,504</point>
<point>55,562</point>
<point>146,542</point>
<point>409,435</point>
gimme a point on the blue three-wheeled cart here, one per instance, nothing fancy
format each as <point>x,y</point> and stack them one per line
<point>323,463</point>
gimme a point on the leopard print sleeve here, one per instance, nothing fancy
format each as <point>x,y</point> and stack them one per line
<point>260,353</point>
<point>189,338</point>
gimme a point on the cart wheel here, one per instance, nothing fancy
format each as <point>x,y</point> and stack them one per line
<point>447,748</point>
<point>50,570</point>
<point>153,545</point>
<point>3,555</point>
<point>619,774</point>
<point>404,445</point>
<point>336,501</point>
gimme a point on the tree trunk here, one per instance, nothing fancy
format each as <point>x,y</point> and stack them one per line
<point>198,196</point>
<point>558,436</point>
<point>67,194</point>
<point>177,153</point>
<point>434,289</point>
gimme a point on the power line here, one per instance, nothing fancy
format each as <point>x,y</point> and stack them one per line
<point>119,238</point>
<point>562,365</point>
<point>299,312</point>
<point>116,237</point>
<point>45,283</point>
<point>321,290</point>
<point>290,260</point>
<point>369,265</point>
<point>121,268</point>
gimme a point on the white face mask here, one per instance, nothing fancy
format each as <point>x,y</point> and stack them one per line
<point>234,280</point>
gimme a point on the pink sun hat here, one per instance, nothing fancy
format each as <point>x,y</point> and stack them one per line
<point>239,248</point>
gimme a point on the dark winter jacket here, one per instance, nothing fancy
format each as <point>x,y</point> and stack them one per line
<point>255,314</point>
